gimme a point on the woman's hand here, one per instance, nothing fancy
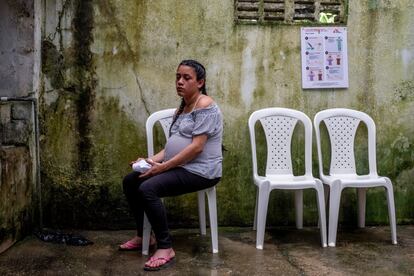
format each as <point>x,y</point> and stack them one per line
<point>159,157</point>
<point>132,162</point>
<point>156,168</point>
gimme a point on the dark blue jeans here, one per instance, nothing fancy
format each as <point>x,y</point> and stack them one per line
<point>144,194</point>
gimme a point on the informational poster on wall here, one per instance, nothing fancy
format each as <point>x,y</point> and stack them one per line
<point>324,57</point>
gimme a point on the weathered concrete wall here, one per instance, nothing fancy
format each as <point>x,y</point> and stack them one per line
<point>18,190</point>
<point>108,64</point>
<point>16,48</point>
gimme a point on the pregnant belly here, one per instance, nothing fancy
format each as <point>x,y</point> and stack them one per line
<point>174,145</point>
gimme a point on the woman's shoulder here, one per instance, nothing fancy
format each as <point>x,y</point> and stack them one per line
<point>204,102</point>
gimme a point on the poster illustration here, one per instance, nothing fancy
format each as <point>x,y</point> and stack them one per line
<point>324,57</point>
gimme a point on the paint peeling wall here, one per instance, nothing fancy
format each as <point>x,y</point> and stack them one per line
<point>108,64</point>
<point>18,197</point>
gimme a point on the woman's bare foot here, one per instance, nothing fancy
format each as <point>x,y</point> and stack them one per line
<point>161,259</point>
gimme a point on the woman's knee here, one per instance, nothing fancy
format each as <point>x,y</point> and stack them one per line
<point>130,181</point>
<point>148,188</point>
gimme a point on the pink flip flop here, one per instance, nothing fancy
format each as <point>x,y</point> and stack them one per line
<point>168,262</point>
<point>130,246</point>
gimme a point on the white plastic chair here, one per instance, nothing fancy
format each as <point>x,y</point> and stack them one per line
<point>278,125</point>
<point>164,117</point>
<point>342,125</point>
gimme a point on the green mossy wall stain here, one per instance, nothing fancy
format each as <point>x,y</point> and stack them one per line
<point>83,23</point>
<point>395,154</point>
<point>95,199</point>
<point>405,92</point>
<point>52,64</point>
<point>373,4</point>
<point>236,193</point>
<point>65,124</point>
<point>58,151</point>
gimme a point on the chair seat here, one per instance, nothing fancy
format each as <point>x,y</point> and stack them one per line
<point>353,180</point>
<point>288,182</point>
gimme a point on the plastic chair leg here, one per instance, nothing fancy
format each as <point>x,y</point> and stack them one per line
<point>202,211</point>
<point>391,210</point>
<point>299,208</point>
<point>212,208</point>
<point>322,213</point>
<point>334,203</point>
<point>255,210</point>
<point>263,200</point>
<point>146,235</point>
<point>326,198</point>
<point>326,193</point>
<point>362,193</point>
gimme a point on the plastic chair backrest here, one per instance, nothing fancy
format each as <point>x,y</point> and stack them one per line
<point>278,125</point>
<point>164,117</point>
<point>342,125</point>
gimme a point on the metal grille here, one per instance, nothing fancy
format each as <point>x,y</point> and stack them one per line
<point>273,10</point>
<point>289,11</point>
<point>304,10</point>
<point>248,10</point>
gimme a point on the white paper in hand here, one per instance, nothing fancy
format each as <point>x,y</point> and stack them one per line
<point>141,166</point>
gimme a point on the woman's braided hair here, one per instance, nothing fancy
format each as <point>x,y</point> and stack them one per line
<point>201,75</point>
